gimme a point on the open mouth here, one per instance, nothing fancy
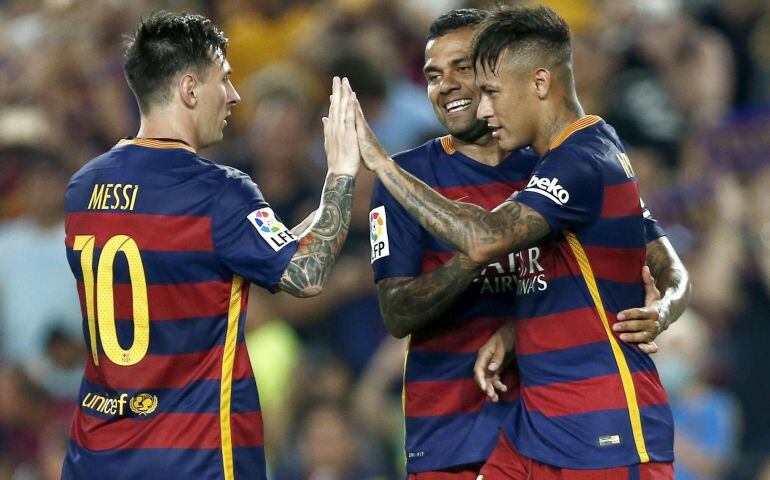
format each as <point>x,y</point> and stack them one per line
<point>458,105</point>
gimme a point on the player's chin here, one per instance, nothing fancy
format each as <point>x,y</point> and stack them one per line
<point>467,129</point>
<point>506,142</point>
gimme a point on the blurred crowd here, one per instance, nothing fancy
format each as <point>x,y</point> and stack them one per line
<point>685,82</point>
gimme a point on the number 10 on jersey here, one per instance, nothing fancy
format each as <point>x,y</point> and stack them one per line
<point>103,290</point>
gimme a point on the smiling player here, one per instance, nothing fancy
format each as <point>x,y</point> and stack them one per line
<point>444,301</point>
<point>163,244</point>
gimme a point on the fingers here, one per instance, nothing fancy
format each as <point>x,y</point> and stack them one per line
<point>645,313</point>
<point>325,121</point>
<point>638,337</point>
<point>350,112</point>
<point>361,126</point>
<point>648,347</point>
<point>334,107</point>
<point>636,326</point>
<point>491,392</point>
<point>499,385</point>
<point>637,331</point>
<point>651,292</point>
<point>480,368</point>
<point>343,103</point>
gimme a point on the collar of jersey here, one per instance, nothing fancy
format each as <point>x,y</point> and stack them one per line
<point>580,124</point>
<point>162,143</point>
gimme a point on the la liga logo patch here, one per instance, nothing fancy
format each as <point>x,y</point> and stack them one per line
<point>270,228</point>
<point>266,222</point>
<point>377,225</point>
<point>378,233</point>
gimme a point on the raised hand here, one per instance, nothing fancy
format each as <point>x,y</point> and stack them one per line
<point>340,142</point>
<point>372,152</point>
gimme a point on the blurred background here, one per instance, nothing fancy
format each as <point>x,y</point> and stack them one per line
<point>685,82</point>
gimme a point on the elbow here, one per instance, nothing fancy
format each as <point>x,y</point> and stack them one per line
<point>688,290</point>
<point>394,329</point>
<point>307,292</point>
<point>313,291</point>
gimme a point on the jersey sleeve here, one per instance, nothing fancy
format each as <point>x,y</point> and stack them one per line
<point>652,229</point>
<point>566,189</point>
<point>249,238</point>
<point>396,239</point>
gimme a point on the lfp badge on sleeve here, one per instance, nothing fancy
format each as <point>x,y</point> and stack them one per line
<point>272,231</point>
<point>378,233</point>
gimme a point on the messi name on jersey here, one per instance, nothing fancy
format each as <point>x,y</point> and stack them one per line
<point>113,196</point>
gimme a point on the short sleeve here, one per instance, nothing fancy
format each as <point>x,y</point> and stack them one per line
<point>566,189</point>
<point>652,229</point>
<point>395,238</point>
<point>249,238</point>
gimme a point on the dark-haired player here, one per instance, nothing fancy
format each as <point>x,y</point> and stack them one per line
<point>164,244</point>
<point>439,299</point>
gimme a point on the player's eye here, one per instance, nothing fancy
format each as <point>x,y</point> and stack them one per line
<point>464,68</point>
<point>433,78</point>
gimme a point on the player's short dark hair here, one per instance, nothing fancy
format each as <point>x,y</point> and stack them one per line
<point>163,45</point>
<point>455,20</point>
<point>537,32</point>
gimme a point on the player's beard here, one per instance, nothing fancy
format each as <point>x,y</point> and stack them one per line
<point>475,131</point>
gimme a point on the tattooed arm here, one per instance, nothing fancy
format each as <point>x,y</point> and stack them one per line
<point>300,228</point>
<point>410,303</point>
<point>306,274</point>
<point>319,246</point>
<point>479,234</point>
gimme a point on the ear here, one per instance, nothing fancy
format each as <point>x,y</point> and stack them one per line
<point>542,82</point>
<point>187,90</point>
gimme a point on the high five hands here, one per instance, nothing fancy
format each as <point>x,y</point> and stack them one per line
<point>340,142</point>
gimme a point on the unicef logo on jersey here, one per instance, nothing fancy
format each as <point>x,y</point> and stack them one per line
<point>141,404</point>
<point>266,222</point>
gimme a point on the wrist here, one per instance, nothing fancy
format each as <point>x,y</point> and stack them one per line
<point>663,316</point>
<point>381,163</point>
<point>340,173</point>
<point>507,332</point>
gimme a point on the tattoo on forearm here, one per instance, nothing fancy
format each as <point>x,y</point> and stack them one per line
<point>318,248</point>
<point>409,304</point>
<point>464,226</point>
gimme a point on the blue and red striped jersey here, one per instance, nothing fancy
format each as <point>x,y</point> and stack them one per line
<point>588,400</point>
<point>449,421</point>
<point>163,245</point>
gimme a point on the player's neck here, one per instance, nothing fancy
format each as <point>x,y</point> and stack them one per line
<point>484,150</point>
<point>162,123</point>
<point>555,121</point>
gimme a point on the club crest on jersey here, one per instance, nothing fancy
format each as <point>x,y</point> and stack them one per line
<point>378,233</point>
<point>270,229</point>
<point>549,188</point>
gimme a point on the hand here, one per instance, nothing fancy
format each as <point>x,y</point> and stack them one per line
<point>642,325</point>
<point>372,152</point>
<point>340,141</point>
<point>490,361</point>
